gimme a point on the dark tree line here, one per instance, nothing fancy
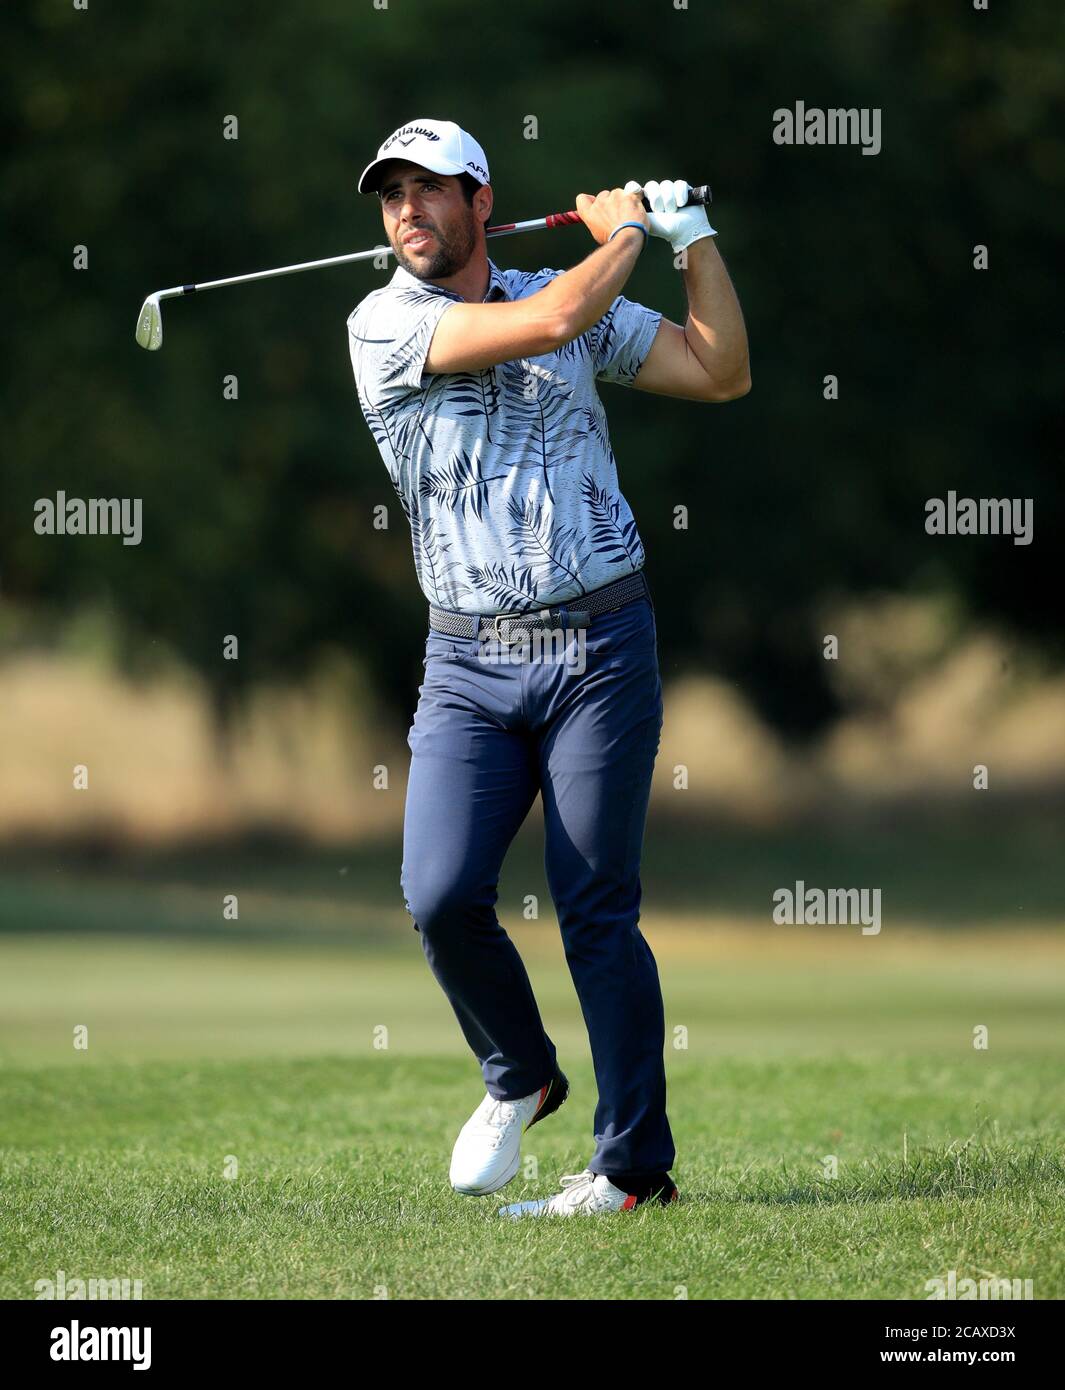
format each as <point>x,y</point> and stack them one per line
<point>259,511</point>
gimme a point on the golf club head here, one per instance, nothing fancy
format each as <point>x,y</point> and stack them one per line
<point>150,324</point>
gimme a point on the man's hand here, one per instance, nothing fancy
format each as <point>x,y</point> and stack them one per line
<point>608,209</point>
<point>670,218</point>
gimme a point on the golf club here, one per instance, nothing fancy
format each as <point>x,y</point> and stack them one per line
<point>150,319</point>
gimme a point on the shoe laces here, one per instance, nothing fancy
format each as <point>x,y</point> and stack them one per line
<point>578,1191</point>
<point>496,1118</point>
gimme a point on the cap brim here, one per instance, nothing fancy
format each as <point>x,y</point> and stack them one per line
<point>368,182</point>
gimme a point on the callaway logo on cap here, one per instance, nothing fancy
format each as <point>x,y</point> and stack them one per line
<point>437,145</point>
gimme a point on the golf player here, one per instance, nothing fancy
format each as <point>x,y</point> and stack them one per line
<point>541,663</point>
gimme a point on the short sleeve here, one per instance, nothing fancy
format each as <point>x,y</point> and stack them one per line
<point>623,338</point>
<point>389,339</point>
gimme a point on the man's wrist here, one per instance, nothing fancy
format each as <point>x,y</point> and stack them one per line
<point>686,239</point>
<point>623,227</point>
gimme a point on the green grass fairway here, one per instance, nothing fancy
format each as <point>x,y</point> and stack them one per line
<point>309,1045</point>
<point>342,1187</point>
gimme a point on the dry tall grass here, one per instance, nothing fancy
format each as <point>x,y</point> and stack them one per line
<point>926,705</point>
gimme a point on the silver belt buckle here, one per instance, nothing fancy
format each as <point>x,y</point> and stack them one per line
<point>506,618</point>
<point>548,617</point>
<point>544,615</point>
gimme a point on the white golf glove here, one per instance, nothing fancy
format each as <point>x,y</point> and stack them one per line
<point>669,217</point>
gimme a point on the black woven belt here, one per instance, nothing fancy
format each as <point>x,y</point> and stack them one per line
<point>514,627</point>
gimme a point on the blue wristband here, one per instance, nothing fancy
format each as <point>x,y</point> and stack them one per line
<point>618,228</point>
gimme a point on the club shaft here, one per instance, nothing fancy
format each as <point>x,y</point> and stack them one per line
<point>348,259</point>
<point>506,229</point>
<point>552,221</point>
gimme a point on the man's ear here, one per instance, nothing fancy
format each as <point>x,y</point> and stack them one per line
<point>482,202</point>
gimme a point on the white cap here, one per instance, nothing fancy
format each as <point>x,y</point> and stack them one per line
<point>438,145</point>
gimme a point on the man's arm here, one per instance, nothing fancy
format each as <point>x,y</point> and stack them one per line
<point>470,337</point>
<point>707,359</point>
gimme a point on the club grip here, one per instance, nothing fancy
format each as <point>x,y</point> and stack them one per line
<point>695,195</point>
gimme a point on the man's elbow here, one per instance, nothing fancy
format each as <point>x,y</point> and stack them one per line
<point>559,330</point>
<point>730,390</point>
<point>561,327</point>
<point>540,334</point>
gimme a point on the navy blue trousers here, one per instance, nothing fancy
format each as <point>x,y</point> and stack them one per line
<point>489,733</point>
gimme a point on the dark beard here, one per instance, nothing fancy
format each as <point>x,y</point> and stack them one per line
<point>451,254</point>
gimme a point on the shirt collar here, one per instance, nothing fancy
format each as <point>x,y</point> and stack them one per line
<point>497,286</point>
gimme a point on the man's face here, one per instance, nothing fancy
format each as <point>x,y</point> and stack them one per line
<point>413,197</point>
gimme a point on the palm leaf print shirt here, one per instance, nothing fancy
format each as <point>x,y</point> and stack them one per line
<point>506,475</point>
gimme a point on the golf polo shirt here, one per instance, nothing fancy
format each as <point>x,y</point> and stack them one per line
<point>506,475</point>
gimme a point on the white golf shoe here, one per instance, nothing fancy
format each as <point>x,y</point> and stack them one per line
<point>487,1153</point>
<point>588,1192</point>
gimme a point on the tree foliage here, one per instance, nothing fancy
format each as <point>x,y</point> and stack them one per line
<point>259,511</point>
